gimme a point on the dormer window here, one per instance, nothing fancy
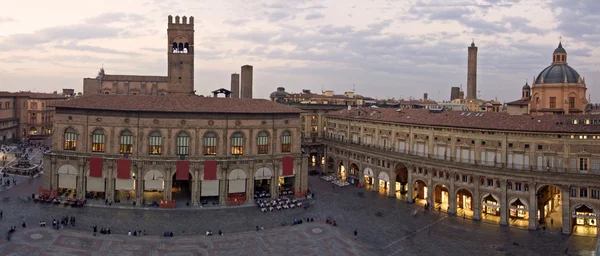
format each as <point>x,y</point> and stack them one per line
<point>575,121</point>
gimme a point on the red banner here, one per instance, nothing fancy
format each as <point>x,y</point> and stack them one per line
<point>183,170</point>
<point>210,170</point>
<point>123,169</point>
<point>288,166</point>
<point>96,167</point>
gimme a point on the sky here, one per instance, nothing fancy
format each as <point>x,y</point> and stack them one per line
<point>379,48</point>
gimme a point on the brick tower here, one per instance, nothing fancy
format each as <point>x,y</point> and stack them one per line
<point>472,72</point>
<point>180,36</point>
<point>246,87</point>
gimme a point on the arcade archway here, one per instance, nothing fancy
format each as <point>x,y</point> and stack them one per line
<point>401,180</point>
<point>181,190</point>
<point>518,212</point>
<point>420,192</point>
<point>368,178</point>
<point>490,208</point>
<point>262,183</point>
<point>549,206</point>
<point>353,173</point>
<point>341,172</point>
<point>384,183</point>
<point>154,185</point>
<point>584,220</point>
<point>67,181</point>
<point>441,197</point>
<point>330,165</point>
<point>464,203</point>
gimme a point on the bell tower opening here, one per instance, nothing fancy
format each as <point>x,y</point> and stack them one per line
<point>559,57</point>
<point>180,36</point>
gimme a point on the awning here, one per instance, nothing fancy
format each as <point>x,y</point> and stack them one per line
<point>183,170</point>
<point>123,168</point>
<point>288,166</point>
<point>210,170</point>
<point>96,167</point>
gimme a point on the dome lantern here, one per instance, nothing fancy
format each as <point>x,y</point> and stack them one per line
<point>560,55</point>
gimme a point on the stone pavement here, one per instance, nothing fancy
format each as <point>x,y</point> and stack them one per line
<point>306,239</point>
<point>385,224</point>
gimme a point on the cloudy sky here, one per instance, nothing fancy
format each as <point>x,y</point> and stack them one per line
<point>384,48</point>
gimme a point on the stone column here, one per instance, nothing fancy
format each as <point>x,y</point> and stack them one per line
<point>409,193</point>
<point>532,207</point>
<point>376,182</point>
<point>452,196</point>
<point>303,173</point>
<point>430,189</point>
<point>195,187</point>
<point>139,183</point>
<point>80,180</point>
<point>53,184</point>
<point>109,181</point>
<point>250,189</point>
<point>275,179</point>
<point>503,203</point>
<point>168,184</point>
<point>223,190</point>
<point>566,209</point>
<point>392,185</point>
<point>476,200</point>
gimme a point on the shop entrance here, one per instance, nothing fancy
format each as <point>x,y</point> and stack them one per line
<point>419,192</point>
<point>368,176</point>
<point>384,183</point>
<point>584,220</point>
<point>518,213</point>
<point>490,208</point>
<point>181,190</point>
<point>353,174</point>
<point>286,186</point>
<point>262,183</point>
<point>342,175</point>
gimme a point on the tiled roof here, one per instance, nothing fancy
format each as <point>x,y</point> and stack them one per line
<point>520,102</point>
<point>32,95</point>
<point>174,103</point>
<point>488,121</point>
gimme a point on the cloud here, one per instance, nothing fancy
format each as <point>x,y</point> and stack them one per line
<point>90,48</point>
<point>314,16</point>
<point>6,20</point>
<point>114,17</point>
<point>578,19</point>
<point>236,22</point>
<point>523,25</point>
<point>69,32</point>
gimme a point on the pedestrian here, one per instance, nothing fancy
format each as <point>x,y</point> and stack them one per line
<point>551,222</point>
<point>220,232</point>
<point>129,233</point>
<point>1,213</point>
<point>355,233</point>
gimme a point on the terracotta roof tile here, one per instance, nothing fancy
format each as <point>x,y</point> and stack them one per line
<point>520,102</point>
<point>489,120</point>
<point>33,95</point>
<point>175,103</point>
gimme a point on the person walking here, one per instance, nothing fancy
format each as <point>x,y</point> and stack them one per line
<point>355,233</point>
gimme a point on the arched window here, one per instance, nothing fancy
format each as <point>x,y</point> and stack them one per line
<point>237,144</point>
<point>183,144</point>
<point>180,47</point>
<point>286,142</point>
<point>186,48</point>
<point>263,142</point>
<point>210,144</point>
<point>174,48</point>
<point>70,142</point>
<point>126,145</point>
<point>155,143</point>
<point>98,140</point>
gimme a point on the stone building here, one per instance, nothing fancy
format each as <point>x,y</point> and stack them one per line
<point>26,115</point>
<point>182,148</point>
<point>180,70</point>
<point>518,170</point>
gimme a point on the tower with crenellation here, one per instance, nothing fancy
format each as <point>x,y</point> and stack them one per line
<point>180,36</point>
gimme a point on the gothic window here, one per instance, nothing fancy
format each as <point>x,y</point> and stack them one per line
<point>183,144</point>
<point>237,144</point>
<point>126,143</point>
<point>286,142</point>
<point>263,143</point>
<point>155,143</point>
<point>210,144</point>
<point>70,142</point>
<point>98,140</point>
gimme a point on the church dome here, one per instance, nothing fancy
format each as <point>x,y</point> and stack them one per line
<point>556,73</point>
<point>280,93</point>
<point>526,86</point>
<point>559,71</point>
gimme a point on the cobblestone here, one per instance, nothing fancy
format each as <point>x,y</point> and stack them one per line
<point>385,225</point>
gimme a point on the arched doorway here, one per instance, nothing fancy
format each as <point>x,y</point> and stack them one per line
<point>67,181</point>
<point>95,187</point>
<point>262,183</point>
<point>369,177</point>
<point>420,192</point>
<point>154,185</point>
<point>330,164</point>
<point>401,180</point>
<point>384,183</point>
<point>125,188</point>
<point>549,206</point>
<point>342,175</point>
<point>518,212</point>
<point>237,186</point>
<point>33,130</point>
<point>353,177</point>
<point>464,203</point>
<point>441,197</point>
<point>181,190</point>
<point>490,208</point>
<point>584,220</point>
